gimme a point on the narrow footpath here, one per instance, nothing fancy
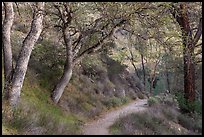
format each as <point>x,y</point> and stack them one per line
<point>102,124</point>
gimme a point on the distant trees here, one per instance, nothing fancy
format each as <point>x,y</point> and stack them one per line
<point>14,77</point>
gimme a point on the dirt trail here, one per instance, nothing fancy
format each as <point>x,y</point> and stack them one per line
<point>101,125</point>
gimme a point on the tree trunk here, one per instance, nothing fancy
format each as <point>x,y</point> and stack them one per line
<point>24,56</point>
<point>189,76</point>
<point>151,85</point>
<point>63,82</point>
<point>167,78</point>
<point>188,51</point>
<point>67,74</point>
<point>143,69</point>
<point>73,56</point>
<point>189,68</point>
<point>152,78</point>
<point>6,40</point>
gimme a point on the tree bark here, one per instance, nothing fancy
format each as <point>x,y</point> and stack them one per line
<point>73,56</point>
<point>189,67</point>
<point>63,82</point>
<point>152,78</point>
<point>67,74</point>
<point>143,69</point>
<point>133,64</point>
<point>167,80</point>
<point>6,40</point>
<point>24,56</point>
<point>188,52</point>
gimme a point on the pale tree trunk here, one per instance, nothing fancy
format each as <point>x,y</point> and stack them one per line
<point>24,56</point>
<point>63,82</point>
<point>167,78</point>
<point>67,73</point>
<point>72,55</point>
<point>6,41</point>
<point>143,69</point>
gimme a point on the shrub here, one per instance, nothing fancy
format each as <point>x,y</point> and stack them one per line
<point>152,101</point>
<point>170,113</point>
<point>125,100</point>
<point>116,102</point>
<point>140,95</point>
<point>192,122</point>
<point>186,106</point>
<point>197,105</point>
<point>112,102</point>
<point>140,123</point>
<point>168,100</point>
<point>181,101</point>
<point>131,94</point>
<point>185,121</point>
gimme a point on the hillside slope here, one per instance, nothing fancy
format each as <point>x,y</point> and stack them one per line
<point>95,87</point>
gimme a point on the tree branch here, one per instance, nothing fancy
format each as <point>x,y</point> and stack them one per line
<point>96,46</point>
<point>198,45</point>
<point>199,52</point>
<point>198,33</point>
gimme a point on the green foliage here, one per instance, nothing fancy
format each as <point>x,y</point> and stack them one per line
<point>115,102</point>
<point>120,57</point>
<point>115,67</point>
<point>197,105</point>
<point>152,101</point>
<point>44,53</point>
<point>36,110</point>
<point>140,95</point>
<point>125,100</point>
<point>186,106</point>
<point>92,66</point>
<point>112,102</point>
<point>181,101</point>
<point>167,99</point>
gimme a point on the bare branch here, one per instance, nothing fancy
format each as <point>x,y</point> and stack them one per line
<point>199,61</point>
<point>97,46</point>
<point>198,45</point>
<point>59,14</point>
<point>198,33</point>
<point>199,52</point>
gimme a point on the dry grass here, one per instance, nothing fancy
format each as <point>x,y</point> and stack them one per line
<point>160,119</point>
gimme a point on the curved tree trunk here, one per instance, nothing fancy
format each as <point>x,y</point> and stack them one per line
<point>67,74</point>
<point>73,56</point>
<point>6,41</point>
<point>63,82</point>
<point>24,56</point>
